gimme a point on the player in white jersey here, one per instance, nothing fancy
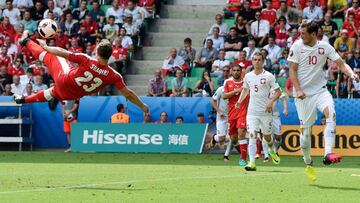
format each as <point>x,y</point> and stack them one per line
<point>307,58</point>
<point>221,107</point>
<point>259,116</point>
<point>276,124</point>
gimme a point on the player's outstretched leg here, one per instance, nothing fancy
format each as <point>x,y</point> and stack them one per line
<point>41,96</point>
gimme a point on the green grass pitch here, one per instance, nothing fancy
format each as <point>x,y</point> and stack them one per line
<point>108,177</point>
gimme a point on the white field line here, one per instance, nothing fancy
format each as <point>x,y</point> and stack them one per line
<point>355,175</point>
<point>141,181</point>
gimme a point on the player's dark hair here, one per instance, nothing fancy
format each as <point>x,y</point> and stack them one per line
<point>104,49</point>
<point>180,117</point>
<point>311,27</point>
<point>187,40</point>
<point>120,107</point>
<point>112,17</point>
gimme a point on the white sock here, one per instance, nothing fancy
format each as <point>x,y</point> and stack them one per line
<point>269,144</point>
<point>228,148</point>
<point>265,148</point>
<point>277,145</point>
<point>305,142</point>
<point>252,150</point>
<point>329,135</point>
<point>216,138</point>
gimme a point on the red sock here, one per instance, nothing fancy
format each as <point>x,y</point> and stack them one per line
<point>243,151</point>
<point>34,48</point>
<point>259,147</point>
<point>38,97</point>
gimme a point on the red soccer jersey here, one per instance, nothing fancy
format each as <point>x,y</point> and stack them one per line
<point>90,27</point>
<point>356,13</point>
<point>275,4</point>
<point>254,4</point>
<point>14,71</point>
<point>76,50</point>
<point>61,40</point>
<point>346,25</point>
<point>90,77</point>
<point>269,15</point>
<point>234,8</point>
<point>5,60</point>
<point>119,51</point>
<point>234,113</point>
<point>37,70</point>
<point>281,33</point>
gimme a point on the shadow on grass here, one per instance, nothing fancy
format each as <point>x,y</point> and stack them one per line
<point>154,159</point>
<point>336,188</point>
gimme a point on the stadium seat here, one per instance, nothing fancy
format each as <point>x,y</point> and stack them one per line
<point>339,22</point>
<point>230,22</point>
<point>197,71</point>
<point>281,81</point>
<point>105,7</point>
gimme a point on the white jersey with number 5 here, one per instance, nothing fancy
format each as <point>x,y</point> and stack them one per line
<point>311,61</point>
<point>260,86</point>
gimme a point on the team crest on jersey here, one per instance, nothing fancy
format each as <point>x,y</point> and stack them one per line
<point>321,51</point>
<point>262,80</point>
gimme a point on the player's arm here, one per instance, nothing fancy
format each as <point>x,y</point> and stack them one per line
<point>243,95</point>
<point>227,95</point>
<point>57,51</point>
<point>272,100</point>
<point>213,104</point>
<point>294,79</point>
<point>345,68</point>
<point>131,96</point>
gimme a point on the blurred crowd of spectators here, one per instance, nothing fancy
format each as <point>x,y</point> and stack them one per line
<point>268,27</point>
<point>81,25</point>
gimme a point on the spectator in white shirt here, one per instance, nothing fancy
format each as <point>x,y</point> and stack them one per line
<point>22,5</point>
<point>62,4</point>
<point>12,13</point>
<point>313,12</point>
<point>115,11</point>
<point>28,89</point>
<point>126,41</point>
<point>250,50</point>
<point>56,10</point>
<point>172,62</point>
<point>321,36</point>
<point>260,30</point>
<point>39,85</point>
<point>220,24</point>
<point>136,12</point>
<point>216,68</point>
<point>218,41</point>
<point>274,50</point>
<point>12,48</point>
<point>16,87</point>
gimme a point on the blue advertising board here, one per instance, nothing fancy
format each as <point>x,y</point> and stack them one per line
<point>106,137</point>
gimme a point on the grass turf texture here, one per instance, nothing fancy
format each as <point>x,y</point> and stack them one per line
<point>105,177</point>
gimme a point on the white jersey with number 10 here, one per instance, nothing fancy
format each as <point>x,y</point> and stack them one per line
<point>311,61</point>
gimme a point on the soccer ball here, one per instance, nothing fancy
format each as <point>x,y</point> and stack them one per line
<point>47,28</point>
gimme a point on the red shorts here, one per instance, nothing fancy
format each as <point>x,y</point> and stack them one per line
<point>235,124</point>
<point>67,125</point>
